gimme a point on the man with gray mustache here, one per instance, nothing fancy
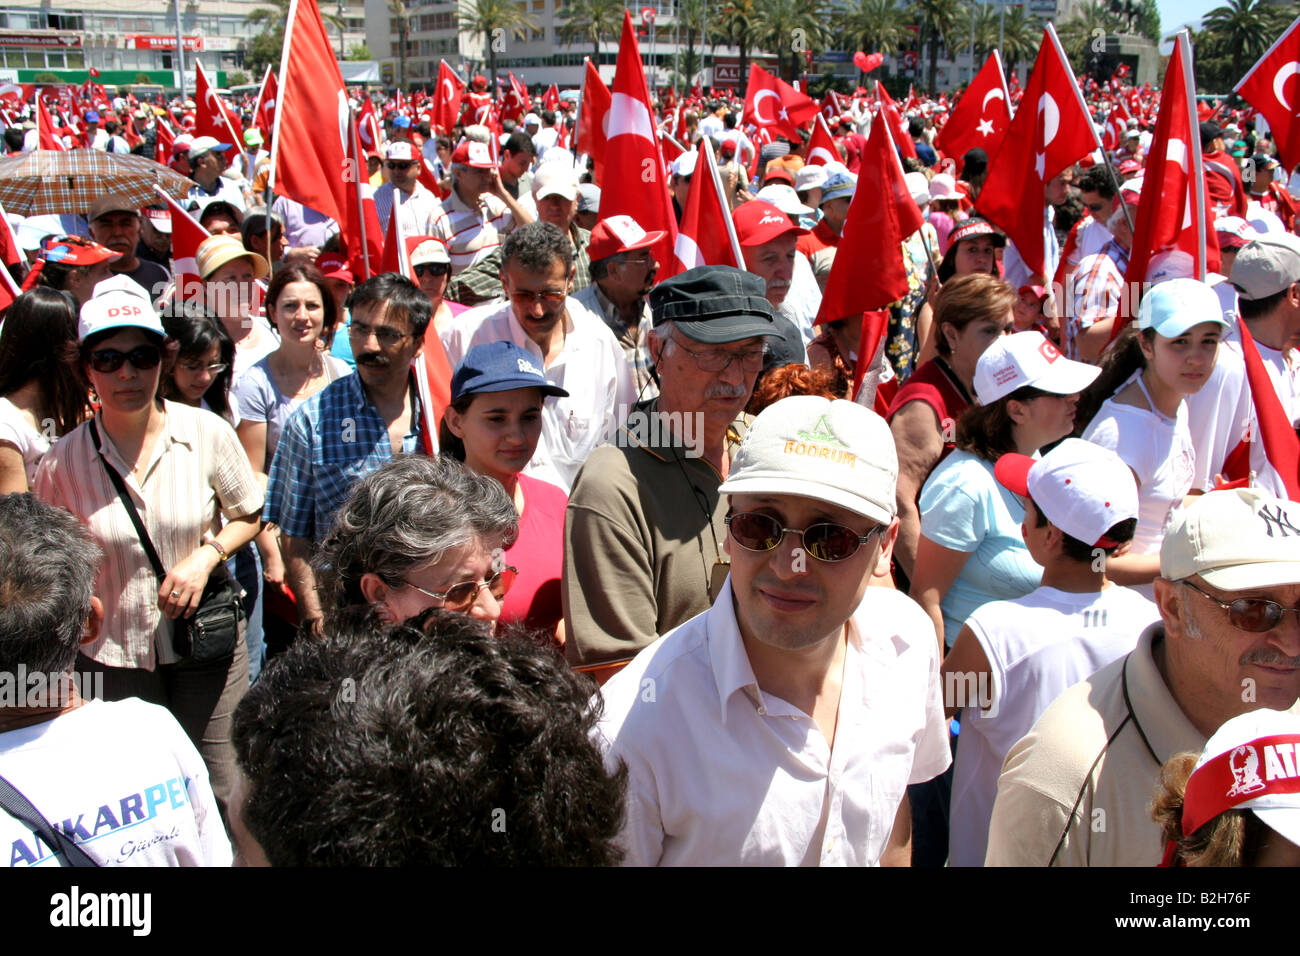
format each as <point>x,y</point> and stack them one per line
<point>644,527</point>
<point>1077,789</point>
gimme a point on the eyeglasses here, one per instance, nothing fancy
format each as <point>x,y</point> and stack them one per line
<point>216,368</point>
<point>1250,614</point>
<point>142,357</point>
<point>398,165</point>
<point>385,336</point>
<point>437,268</point>
<point>546,298</point>
<point>461,597</point>
<point>715,360</point>
<point>826,541</point>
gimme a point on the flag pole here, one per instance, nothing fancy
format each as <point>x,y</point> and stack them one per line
<point>290,20</point>
<point>1197,165</point>
<point>722,198</point>
<point>360,199</point>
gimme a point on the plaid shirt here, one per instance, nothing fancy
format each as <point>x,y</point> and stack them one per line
<point>331,442</point>
<point>1098,288</point>
<point>634,341</point>
<point>481,282</point>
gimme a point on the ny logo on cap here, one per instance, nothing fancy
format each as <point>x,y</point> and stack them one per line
<point>1279,519</point>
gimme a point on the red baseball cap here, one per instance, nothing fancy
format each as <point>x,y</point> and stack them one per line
<point>778,174</point>
<point>759,221</point>
<point>473,154</point>
<point>619,234</point>
<point>76,251</point>
<point>334,266</point>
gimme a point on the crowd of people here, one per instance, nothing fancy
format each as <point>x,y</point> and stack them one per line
<point>676,576</point>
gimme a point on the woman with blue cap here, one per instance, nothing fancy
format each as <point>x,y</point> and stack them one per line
<point>493,425</point>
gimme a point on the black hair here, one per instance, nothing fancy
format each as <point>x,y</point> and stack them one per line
<point>39,341</point>
<point>1258,308</point>
<point>450,444</point>
<point>14,139</point>
<point>915,127</point>
<point>429,743</point>
<point>1119,362</point>
<point>402,296</point>
<point>1097,179</point>
<point>536,247</point>
<point>196,329</point>
<point>975,162</point>
<point>988,430</point>
<point>1121,533</point>
<point>548,117</point>
<point>519,143</point>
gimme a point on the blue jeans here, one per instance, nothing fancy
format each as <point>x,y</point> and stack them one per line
<point>246,566</point>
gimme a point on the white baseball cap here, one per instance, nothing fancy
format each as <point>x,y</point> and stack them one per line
<point>1249,763</point>
<point>430,251</point>
<point>684,165</point>
<point>119,302</point>
<point>943,186</point>
<point>1176,305</point>
<point>1028,359</point>
<point>555,179</point>
<point>1235,539</point>
<point>784,198</point>
<point>811,176</point>
<point>918,186</point>
<point>1082,488</point>
<point>834,451</point>
<point>400,150</point>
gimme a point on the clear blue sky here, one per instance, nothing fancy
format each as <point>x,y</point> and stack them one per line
<point>1178,13</point>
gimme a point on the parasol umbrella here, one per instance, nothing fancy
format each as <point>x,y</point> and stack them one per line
<point>53,181</point>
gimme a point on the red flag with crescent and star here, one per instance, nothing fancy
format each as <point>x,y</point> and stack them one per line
<point>821,145</point>
<point>447,97</point>
<point>790,109</point>
<point>1269,88</point>
<point>982,115</point>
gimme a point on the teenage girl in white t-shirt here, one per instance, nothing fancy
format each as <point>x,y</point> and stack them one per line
<point>1168,354</point>
<point>42,397</point>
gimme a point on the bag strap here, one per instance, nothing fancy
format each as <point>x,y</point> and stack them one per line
<point>145,541</point>
<point>21,809</point>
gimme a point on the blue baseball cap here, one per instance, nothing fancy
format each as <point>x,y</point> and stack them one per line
<point>499,367</point>
<point>401,122</point>
<point>1175,305</point>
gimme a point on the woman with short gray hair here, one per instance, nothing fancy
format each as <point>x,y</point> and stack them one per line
<point>418,533</point>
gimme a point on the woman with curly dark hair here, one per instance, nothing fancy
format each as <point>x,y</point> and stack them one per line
<point>43,395</point>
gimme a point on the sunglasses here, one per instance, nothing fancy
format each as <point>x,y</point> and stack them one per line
<point>437,268</point>
<point>826,541</point>
<point>547,298</point>
<point>399,165</point>
<point>1250,614</point>
<point>142,357</point>
<point>461,597</point>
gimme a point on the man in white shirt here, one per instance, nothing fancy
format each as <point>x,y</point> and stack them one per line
<point>205,170</point>
<point>404,190</point>
<point>1013,658</point>
<point>578,352</point>
<point>783,725</point>
<point>479,213</point>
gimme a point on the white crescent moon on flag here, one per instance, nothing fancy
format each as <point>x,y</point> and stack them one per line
<point>758,113</point>
<point>1283,74</point>
<point>451,88</point>
<point>481,113</point>
<point>824,153</point>
<point>269,106</point>
<point>1176,152</point>
<point>1051,118</point>
<point>993,94</point>
<point>628,115</point>
<point>687,252</point>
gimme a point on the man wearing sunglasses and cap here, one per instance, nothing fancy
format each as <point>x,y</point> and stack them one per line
<point>1077,789</point>
<point>404,191</point>
<point>782,726</point>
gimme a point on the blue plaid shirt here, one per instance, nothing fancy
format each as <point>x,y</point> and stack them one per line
<point>331,442</point>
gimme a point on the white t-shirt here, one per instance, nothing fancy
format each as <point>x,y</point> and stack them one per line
<point>122,779</point>
<point>1037,647</point>
<point>260,400</point>
<point>1218,415</point>
<point>16,430</point>
<point>1161,454</point>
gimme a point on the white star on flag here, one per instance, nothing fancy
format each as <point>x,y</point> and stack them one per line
<point>985,127</point>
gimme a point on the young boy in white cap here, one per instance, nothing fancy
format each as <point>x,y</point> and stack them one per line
<point>1013,658</point>
<point>783,725</point>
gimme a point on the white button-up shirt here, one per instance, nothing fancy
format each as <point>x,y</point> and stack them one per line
<point>591,368</point>
<point>723,774</point>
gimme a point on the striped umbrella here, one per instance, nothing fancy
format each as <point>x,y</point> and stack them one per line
<point>49,181</point>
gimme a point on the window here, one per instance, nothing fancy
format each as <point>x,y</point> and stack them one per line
<point>539,5</point>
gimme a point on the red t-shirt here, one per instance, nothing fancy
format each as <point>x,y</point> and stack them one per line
<point>930,384</point>
<point>538,553</point>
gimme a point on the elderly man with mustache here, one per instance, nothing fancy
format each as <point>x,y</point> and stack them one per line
<point>644,529</point>
<point>349,428</point>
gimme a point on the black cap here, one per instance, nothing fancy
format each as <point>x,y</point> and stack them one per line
<point>1263,161</point>
<point>784,346</point>
<point>1209,133</point>
<point>714,304</point>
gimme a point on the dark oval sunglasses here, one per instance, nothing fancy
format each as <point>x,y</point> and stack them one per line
<point>142,357</point>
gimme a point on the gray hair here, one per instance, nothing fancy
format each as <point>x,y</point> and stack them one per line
<point>48,564</point>
<point>407,515</point>
<point>536,247</point>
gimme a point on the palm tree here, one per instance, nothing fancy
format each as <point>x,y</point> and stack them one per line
<point>984,28</point>
<point>494,19</point>
<point>591,20</point>
<point>939,21</point>
<point>739,21</point>
<point>1021,35</point>
<point>1078,32</point>
<point>790,27</point>
<point>1243,29</point>
<point>875,26</point>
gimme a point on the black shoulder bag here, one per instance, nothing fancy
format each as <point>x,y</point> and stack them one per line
<point>213,632</point>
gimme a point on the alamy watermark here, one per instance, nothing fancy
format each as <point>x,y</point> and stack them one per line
<point>656,429</point>
<point>24,688</point>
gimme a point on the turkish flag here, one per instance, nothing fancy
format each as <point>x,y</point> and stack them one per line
<point>361,233</point>
<point>1269,89</point>
<point>211,118</point>
<point>551,99</point>
<point>982,115</point>
<point>590,138</point>
<point>669,148</point>
<point>11,254</point>
<point>187,235</point>
<point>516,101</point>
<point>162,147</point>
<point>821,145</point>
<point>309,152</point>
<point>1050,131</point>
<point>897,125</point>
<point>46,139</point>
<point>831,109</point>
<point>397,248</point>
<point>446,99</point>
<point>1116,126</point>
<point>1281,446</point>
<point>264,113</point>
<point>790,109</point>
<point>706,236</point>
<point>1172,211</point>
<point>641,188</point>
<point>368,127</point>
